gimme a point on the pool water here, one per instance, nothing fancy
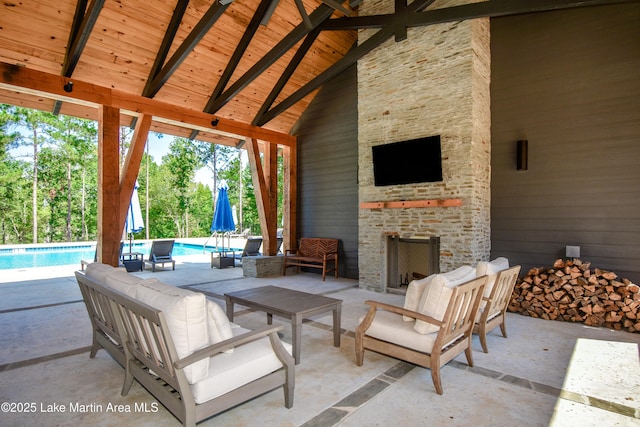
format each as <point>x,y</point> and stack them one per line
<point>47,256</point>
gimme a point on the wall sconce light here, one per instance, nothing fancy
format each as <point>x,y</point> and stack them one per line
<point>215,122</point>
<point>68,87</point>
<point>522,155</point>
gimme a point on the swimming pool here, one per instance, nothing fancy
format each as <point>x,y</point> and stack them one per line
<point>65,254</point>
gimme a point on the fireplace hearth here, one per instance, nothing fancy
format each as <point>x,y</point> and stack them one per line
<point>408,259</point>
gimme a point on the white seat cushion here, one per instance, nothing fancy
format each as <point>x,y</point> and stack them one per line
<point>230,371</point>
<point>413,295</point>
<point>186,316</point>
<point>435,298</point>
<point>390,327</point>
<point>491,270</point>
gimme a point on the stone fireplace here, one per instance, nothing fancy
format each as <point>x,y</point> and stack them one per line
<point>435,82</point>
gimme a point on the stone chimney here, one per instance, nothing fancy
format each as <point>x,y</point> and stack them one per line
<point>435,82</point>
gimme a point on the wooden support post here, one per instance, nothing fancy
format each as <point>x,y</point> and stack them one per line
<point>290,197</point>
<point>271,179</point>
<point>131,165</point>
<point>109,226</point>
<point>259,183</point>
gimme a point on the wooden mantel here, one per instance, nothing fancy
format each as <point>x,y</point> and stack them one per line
<point>428,203</point>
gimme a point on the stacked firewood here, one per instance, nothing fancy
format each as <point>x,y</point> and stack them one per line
<point>572,291</point>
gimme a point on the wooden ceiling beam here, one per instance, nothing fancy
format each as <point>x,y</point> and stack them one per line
<point>496,8</point>
<point>78,38</point>
<point>318,16</point>
<point>286,75</point>
<point>249,32</point>
<point>81,28</point>
<point>199,31</point>
<point>26,80</point>
<point>165,46</point>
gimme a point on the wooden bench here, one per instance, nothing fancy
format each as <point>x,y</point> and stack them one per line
<point>315,253</point>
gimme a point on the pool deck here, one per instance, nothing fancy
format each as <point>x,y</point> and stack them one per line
<point>544,373</point>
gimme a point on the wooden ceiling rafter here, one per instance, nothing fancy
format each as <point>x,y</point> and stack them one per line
<point>286,75</point>
<point>165,46</point>
<point>318,16</point>
<point>207,21</point>
<point>83,22</point>
<point>238,53</point>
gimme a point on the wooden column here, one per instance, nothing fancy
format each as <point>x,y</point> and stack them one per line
<point>131,165</point>
<point>109,226</point>
<point>271,179</point>
<point>259,185</point>
<point>290,197</point>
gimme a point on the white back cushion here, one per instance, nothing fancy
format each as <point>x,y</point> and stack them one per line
<point>218,324</point>
<point>413,295</point>
<point>98,271</point>
<point>186,316</point>
<point>491,270</point>
<point>122,281</point>
<point>436,296</point>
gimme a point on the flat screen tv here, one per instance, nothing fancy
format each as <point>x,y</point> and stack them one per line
<point>408,162</point>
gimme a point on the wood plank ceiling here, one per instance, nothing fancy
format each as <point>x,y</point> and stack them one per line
<point>232,58</point>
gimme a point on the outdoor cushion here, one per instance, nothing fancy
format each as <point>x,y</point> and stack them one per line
<point>228,372</point>
<point>390,327</point>
<point>122,281</point>
<point>436,296</point>
<point>185,313</point>
<point>413,295</point>
<point>218,324</point>
<point>98,271</point>
<point>491,270</point>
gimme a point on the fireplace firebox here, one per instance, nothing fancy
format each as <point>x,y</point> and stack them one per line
<point>408,259</point>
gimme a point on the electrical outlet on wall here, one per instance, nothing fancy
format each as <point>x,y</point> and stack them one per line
<point>573,251</point>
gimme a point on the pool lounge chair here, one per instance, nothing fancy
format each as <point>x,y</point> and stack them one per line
<point>160,253</point>
<point>251,247</point>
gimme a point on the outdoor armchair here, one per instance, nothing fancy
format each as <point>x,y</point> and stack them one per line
<point>493,307</point>
<point>423,340</point>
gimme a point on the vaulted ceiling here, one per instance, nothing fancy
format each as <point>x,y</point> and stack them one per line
<point>235,59</point>
<point>255,63</point>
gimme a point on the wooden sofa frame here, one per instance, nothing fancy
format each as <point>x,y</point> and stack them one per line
<point>315,253</point>
<point>125,328</point>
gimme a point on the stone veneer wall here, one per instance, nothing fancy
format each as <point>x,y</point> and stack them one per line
<point>436,82</point>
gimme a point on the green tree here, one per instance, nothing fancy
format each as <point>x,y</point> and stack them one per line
<point>34,128</point>
<point>77,141</point>
<point>182,163</point>
<point>13,185</point>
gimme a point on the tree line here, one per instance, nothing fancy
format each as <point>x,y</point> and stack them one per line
<point>50,195</point>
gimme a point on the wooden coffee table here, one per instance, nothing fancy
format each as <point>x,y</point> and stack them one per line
<point>290,304</point>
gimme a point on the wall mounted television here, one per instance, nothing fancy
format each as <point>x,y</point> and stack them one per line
<point>407,162</point>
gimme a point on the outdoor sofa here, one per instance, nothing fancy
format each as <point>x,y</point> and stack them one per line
<point>181,346</point>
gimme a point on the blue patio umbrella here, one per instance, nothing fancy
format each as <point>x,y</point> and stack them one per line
<point>223,215</point>
<point>134,222</point>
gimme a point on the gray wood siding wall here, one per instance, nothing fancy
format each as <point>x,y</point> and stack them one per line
<point>328,168</point>
<point>569,83</point>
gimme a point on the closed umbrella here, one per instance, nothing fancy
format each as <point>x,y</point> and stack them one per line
<point>134,222</point>
<point>223,215</point>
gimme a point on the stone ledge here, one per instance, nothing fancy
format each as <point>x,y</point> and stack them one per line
<point>262,266</point>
